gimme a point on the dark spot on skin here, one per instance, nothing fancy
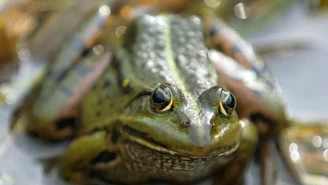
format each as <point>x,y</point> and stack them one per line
<point>17,112</point>
<point>256,116</point>
<point>100,101</point>
<point>65,122</point>
<point>177,61</point>
<point>103,157</point>
<point>85,52</point>
<point>187,123</point>
<point>97,113</point>
<point>127,89</point>
<point>159,46</point>
<point>219,48</point>
<point>106,84</point>
<point>34,134</point>
<point>115,136</point>
<point>58,76</point>
<point>214,30</point>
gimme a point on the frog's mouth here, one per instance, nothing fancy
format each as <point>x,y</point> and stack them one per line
<point>144,140</point>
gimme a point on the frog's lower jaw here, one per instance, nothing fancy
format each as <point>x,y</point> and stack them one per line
<point>139,164</point>
<point>148,161</point>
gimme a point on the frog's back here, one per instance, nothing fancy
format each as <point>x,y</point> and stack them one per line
<point>169,48</point>
<point>160,49</point>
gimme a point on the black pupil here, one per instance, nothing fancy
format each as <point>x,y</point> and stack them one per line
<point>231,102</point>
<point>158,97</point>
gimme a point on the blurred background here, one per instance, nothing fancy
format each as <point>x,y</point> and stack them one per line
<point>291,36</point>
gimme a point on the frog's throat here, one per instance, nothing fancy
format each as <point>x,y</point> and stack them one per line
<point>139,138</point>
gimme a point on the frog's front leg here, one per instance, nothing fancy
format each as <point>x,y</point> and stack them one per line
<point>52,114</point>
<point>82,152</point>
<point>233,173</point>
<point>95,155</point>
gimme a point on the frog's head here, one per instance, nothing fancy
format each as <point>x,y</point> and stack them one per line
<point>169,119</point>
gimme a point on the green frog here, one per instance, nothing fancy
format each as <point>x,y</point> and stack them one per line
<point>182,99</point>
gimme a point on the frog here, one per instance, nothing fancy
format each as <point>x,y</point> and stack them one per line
<point>184,98</point>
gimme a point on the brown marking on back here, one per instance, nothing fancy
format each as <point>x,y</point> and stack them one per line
<point>223,39</point>
<point>73,102</point>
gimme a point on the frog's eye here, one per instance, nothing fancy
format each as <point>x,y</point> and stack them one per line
<point>161,99</point>
<point>227,103</point>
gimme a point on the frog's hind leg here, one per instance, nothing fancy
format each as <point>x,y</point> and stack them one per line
<point>248,78</point>
<point>51,112</point>
<point>225,39</point>
<point>19,113</point>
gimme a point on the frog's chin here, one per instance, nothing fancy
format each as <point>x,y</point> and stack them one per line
<point>158,147</point>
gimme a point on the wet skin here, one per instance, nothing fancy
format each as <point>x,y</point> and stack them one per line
<point>166,106</point>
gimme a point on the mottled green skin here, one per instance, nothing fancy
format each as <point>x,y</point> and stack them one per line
<point>191,139</point>
<point>145,65</point>
<point>119,138</point>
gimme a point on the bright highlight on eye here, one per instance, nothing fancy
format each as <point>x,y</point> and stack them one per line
<point>161,99</point>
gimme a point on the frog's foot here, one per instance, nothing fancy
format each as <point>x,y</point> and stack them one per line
<point>233,173</point>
